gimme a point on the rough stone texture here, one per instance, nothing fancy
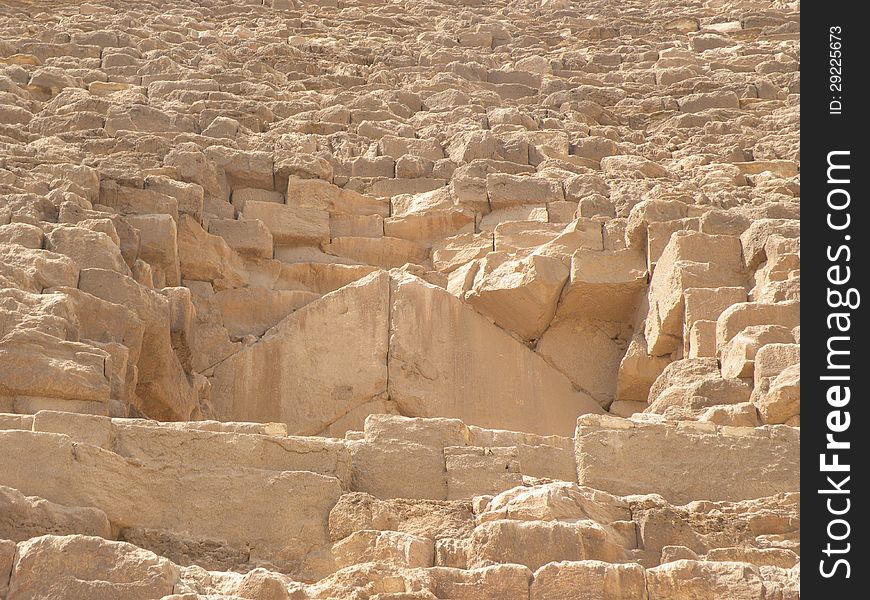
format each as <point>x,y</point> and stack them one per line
<point>23,517</point>
<point>212,387</point>
<point>726,463</point>
<point>89,567</point>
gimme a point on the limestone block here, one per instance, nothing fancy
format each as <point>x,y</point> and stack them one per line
<point>7,556</point>
<point>557,501</point>
<point>38,360</point>
<point>136,495</point>
<point>253,311</point>
<point>289,225</point>
<point>706,304</point>
<point>429,227</point>
<point>476,471</point>
<point>690,260</point>
<point>773,359</point>
<point>24,517</point>
<point>659,233</point>
<point>738,317</point>
<point>35,270</point>
<point>398,146</point>
<point>496,582</point>
<point>685,579</point>
<point>604,285</point>
<point>781,400</point>
<point>136,201</point>
<point>701,340</point>
<point>738,355</point>
<point>587,351</point>
<point>470,369</point>
<point>687,387</point>
<point>638,371</point>
<point>418,204</point>
<point>158,246</point>
<point>314,375</point>
<point>631,166</point>
<point>724,465</point>
<point>428,519</point>
<point>89,249</point>
<point>562,211</point>
<point>320,278</point>
<point>467,146</point>
<point>375,464</point>
<point>700,102</point>
<point>594,147</point>
<point>588,580</point>
<point>137,441</point>
<point>188,196</point>
<point>437,432</point>
<point>23,234</point>
<point>141,117</point>
<point>205,257</point>
<point>385,188</point>
<point>413,167</point>
<point>756,236</point>
<point>521,234</point>
<point>241,196</point>
<point>536,543</point>
<point>89,567</point>
<point>384,252</point>
<point>164,389</point>
<point>520,295</point>
<point>315,193</point>
<point>390,547</point>
<point>454,251</point>
<point>647,212</point>
<point>505,190</point>
<point>356,226</point>
<point>247,237</point>
<point>580,233</point>
<point>88,429</point>
<point>251,169</point>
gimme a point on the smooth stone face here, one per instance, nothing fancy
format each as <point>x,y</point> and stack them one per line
<point>460,376</point>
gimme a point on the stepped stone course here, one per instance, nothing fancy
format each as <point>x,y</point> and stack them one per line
<point>400,300</point>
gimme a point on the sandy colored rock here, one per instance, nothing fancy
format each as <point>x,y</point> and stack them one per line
<point>520,296</point>
<point>300,395</point>
<point>92,567</point>
<point>588,579</point>
<point>205,364</point>
<point>479,394</point>
<point>744,471</point>
<point>26,517</point>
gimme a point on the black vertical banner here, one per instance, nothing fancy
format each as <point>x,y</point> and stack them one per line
<point>834,256</point>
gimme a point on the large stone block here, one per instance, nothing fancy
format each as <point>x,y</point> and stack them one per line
<point>79,566</point>
<point>470,369</point>
<point>520,295</point>
<point>705,462</point>
<point>288,522</point>
<point>604,285</point>
<point>589,580</point>
<point>24,517</point>
<point>315,366</point>
<point>290,225</point>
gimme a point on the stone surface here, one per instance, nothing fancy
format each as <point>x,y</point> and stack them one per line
<point>459,375</point>
<point>311,385</point>
<point>84,566</point>
<point>212,387</point>
<point>728,463</point>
